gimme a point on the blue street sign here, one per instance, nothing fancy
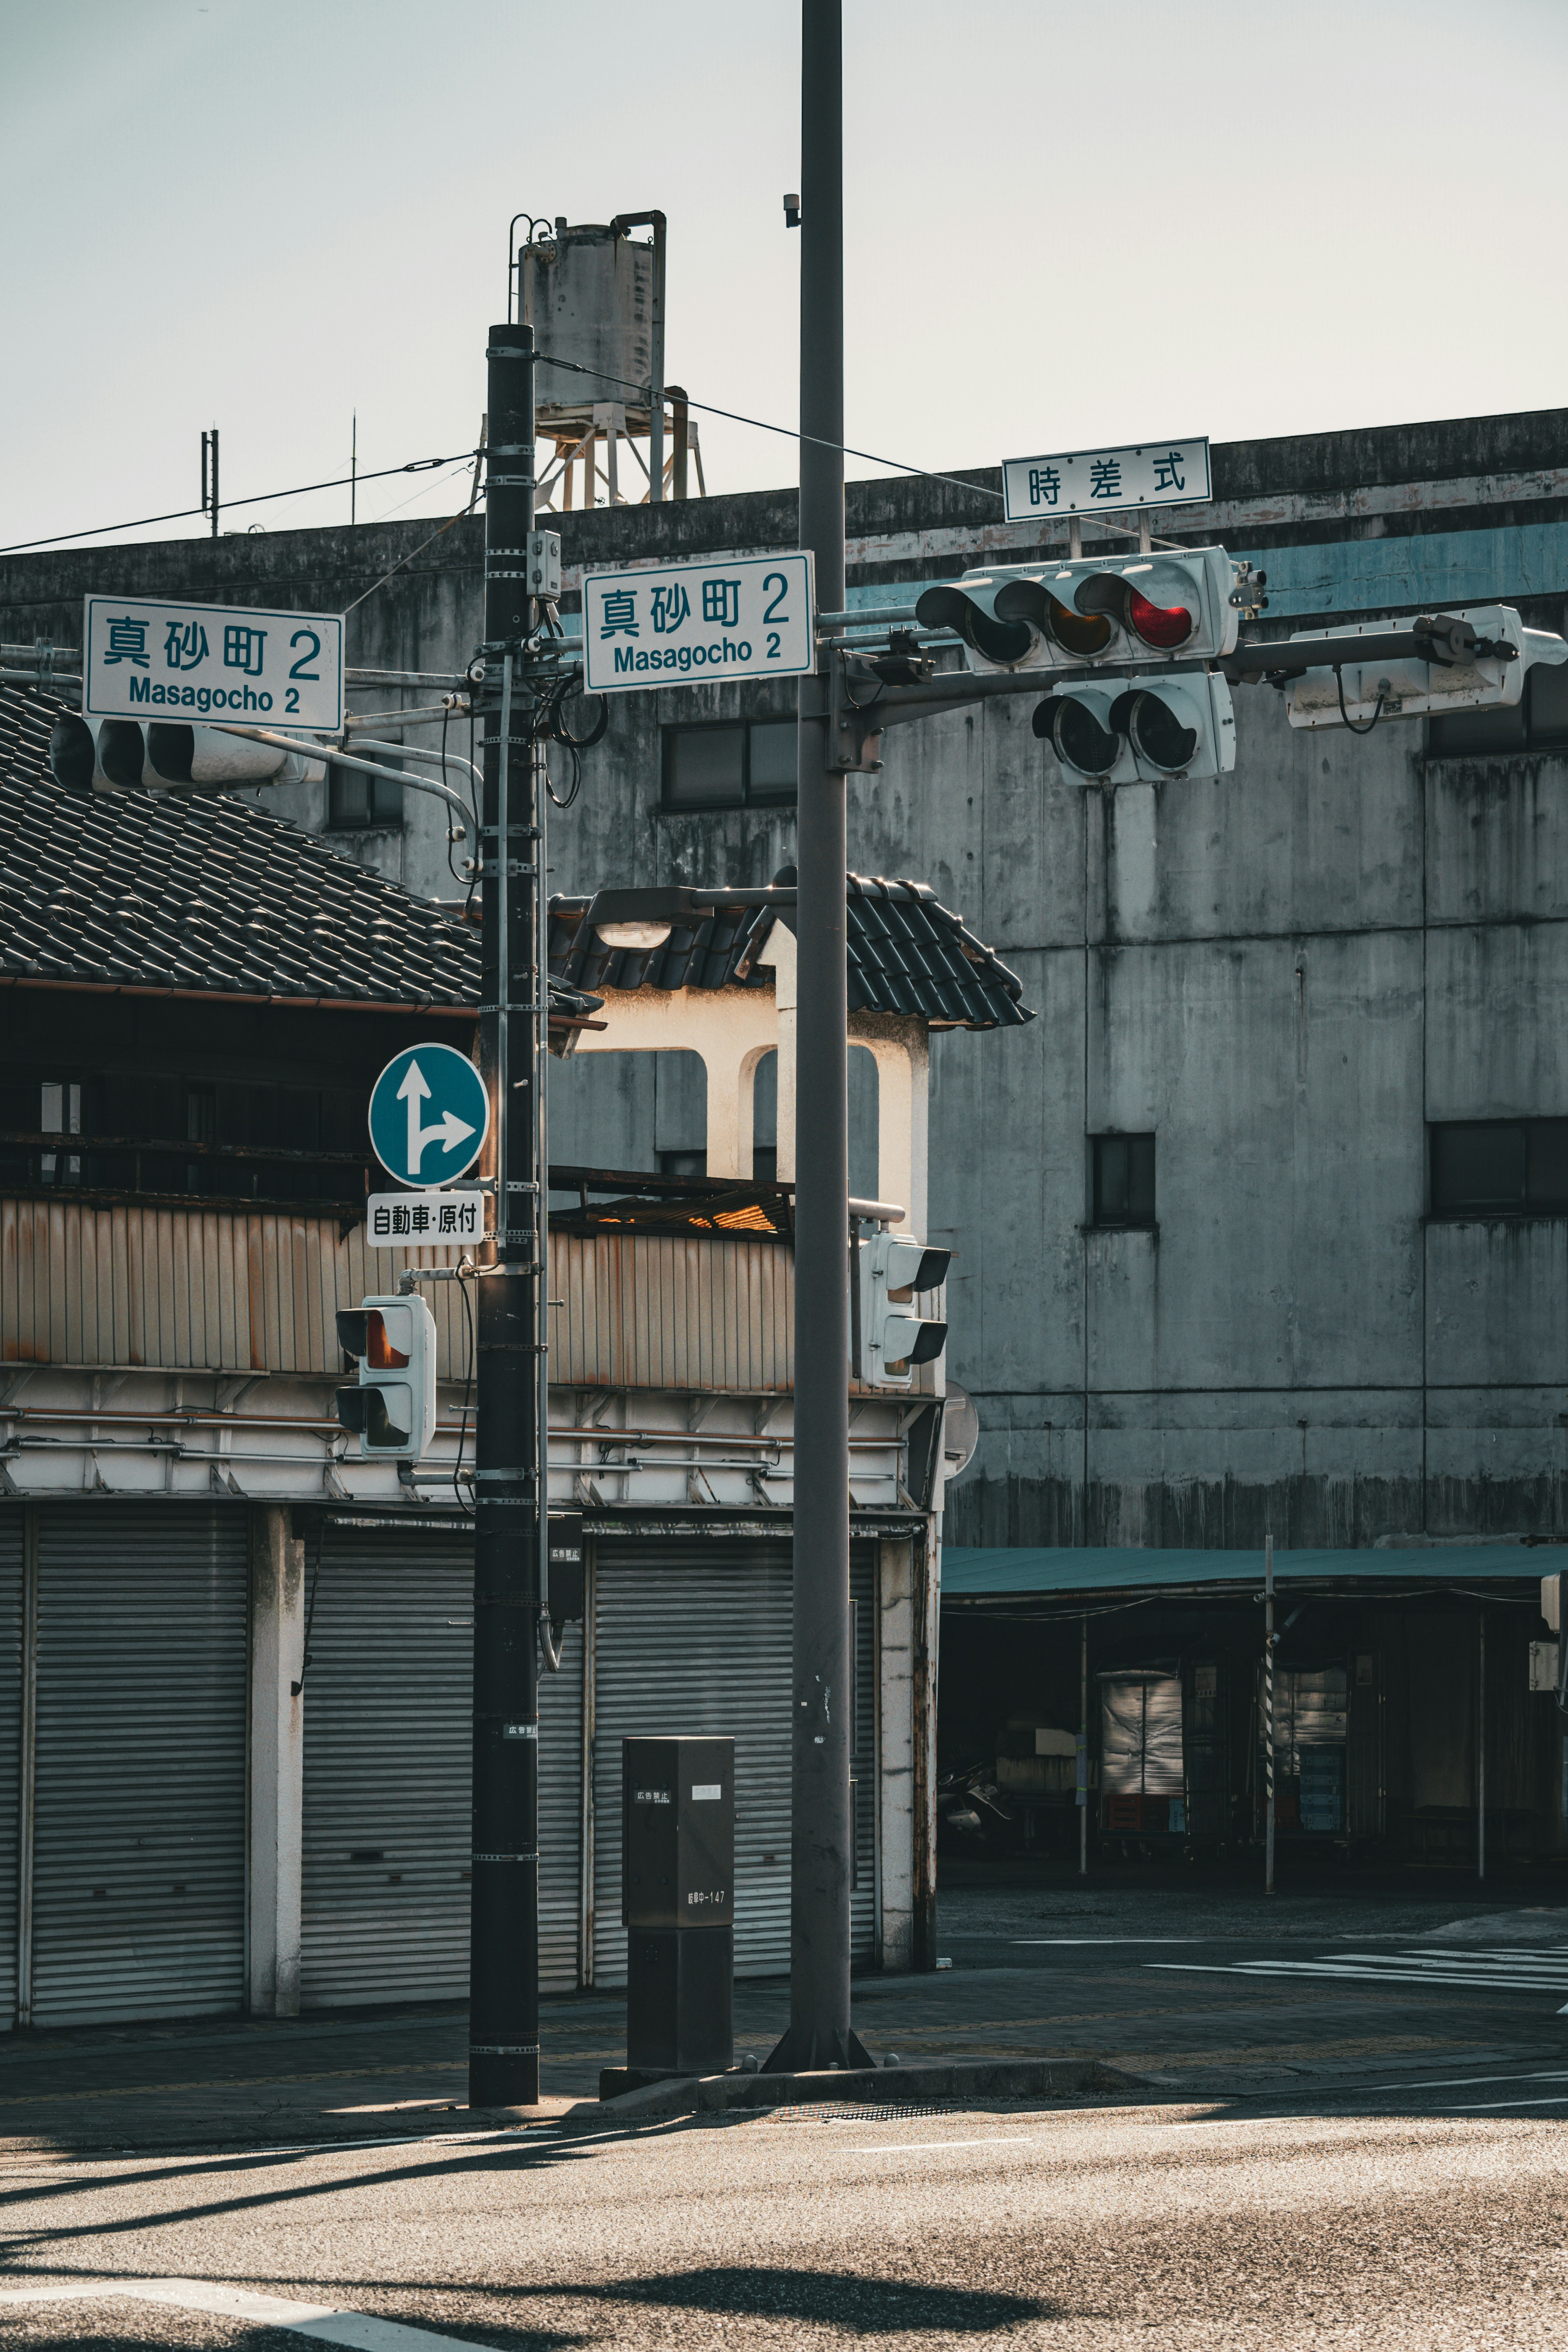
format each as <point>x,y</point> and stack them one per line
<point>429,1115</point>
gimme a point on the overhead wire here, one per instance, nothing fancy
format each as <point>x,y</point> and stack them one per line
<point>258,498</point>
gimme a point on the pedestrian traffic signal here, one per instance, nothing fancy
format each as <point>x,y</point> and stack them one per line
<point>1111,609</point>
<point>1437,664</point>
<point>106,755</point>
<point>893,1272</point>
<point>392,1408</point>
<point>1140,731</point>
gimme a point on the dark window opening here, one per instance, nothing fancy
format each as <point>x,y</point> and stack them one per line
<point>1501,1167</point>
<point>1123,1180</point>
<point>749,763</point>
<point>1537,722</point>
<point>355,803</point>
<point>683,1164</point>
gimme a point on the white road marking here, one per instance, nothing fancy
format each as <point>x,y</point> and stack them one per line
<point>1472,2106</point>
<point>1116,1939</point>
<point>1399,1968</point>
<point>325,2323</point>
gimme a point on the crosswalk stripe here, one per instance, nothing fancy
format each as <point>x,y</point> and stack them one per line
<point>1497,1976</point>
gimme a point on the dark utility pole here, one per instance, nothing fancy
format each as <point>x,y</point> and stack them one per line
<point>819,2033</point>
<point>503,1978</point>
<point>210,477</point>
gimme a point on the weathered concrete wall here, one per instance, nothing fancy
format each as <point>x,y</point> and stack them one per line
<point>1285,974</point>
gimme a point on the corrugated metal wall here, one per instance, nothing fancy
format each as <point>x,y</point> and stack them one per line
<point>139,1803</point>
<point>697,1638</point>
<point>10,1753</point>
<point>388,1777</point>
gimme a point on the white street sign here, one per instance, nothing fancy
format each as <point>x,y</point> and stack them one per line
<point>694,624</point>
<point>1107,481</point>
<point>424,1220</point>
<point>144,659</point>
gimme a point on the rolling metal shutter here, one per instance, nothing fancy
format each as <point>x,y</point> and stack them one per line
<point>389,1776</point>
<point>10,1755</point>
<point>139,1788</point>
<point>696,1637</point>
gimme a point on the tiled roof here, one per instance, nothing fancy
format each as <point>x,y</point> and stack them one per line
<point>907,953</point>
<point>200,891</point>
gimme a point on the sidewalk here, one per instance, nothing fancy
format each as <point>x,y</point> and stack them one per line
<point>1141,1977</point>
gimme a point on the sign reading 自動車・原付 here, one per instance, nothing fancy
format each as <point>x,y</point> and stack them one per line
<point>694,624</point>
<point>450,1220</point>
<point>149,658</point>
<point>1107,481</point>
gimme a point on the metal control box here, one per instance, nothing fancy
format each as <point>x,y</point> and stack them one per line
<point>678,1814</point>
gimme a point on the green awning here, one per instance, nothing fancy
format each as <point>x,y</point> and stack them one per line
<point>979,1571</point>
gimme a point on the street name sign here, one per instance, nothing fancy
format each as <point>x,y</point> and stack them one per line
<point>1107,481</point>
<point>429,1115</point>
<point>424,1220</point>
<point>694,624</point>
<point>153,659</point>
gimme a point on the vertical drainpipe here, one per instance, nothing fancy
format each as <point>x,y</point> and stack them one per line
<point>29,1763</point>
<point>586,1921</point>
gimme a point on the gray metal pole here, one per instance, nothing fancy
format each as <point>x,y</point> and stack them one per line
<point>1268,1712</point>
<point>1482,1749</point>
<point>504,1974</point>
<point>819,2033</point>
<point>1084,1752</point>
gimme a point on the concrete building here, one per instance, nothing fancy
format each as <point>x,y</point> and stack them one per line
<point>1318,1002</point>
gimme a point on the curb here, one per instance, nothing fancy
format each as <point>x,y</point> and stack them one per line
<point>908,2085</point>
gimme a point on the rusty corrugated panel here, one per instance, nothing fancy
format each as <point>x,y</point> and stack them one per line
<point>674,1310</point>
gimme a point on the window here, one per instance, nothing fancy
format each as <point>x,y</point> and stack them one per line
<point>1501,1167</point>
<point>751,763</point>
<point>1538,722</point>
<point>59,1113</point>
<point>683,1164</point>
<point>1123,1180</point>
<point>356,801</point>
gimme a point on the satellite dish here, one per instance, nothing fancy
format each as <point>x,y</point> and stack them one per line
<point>960,1431</point>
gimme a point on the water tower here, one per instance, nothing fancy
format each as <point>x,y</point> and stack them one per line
<point>595,297</point>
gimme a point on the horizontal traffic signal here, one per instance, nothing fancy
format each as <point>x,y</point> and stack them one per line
<point>1140,731</point>
<point>893,1272</point>
<point>391,1410</point>
<point>106,755</point>
<point>1114,609</point>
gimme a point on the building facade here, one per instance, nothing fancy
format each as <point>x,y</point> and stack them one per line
<point>1263,1226</point>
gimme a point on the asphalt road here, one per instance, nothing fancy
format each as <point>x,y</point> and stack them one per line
<point>1418,2218</point>
<point>1345,2129</point>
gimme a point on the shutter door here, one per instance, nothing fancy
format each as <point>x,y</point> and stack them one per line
<point>139,1788</point>
<point>697,1637</point>
<point>10,1754</point>
<point>389,1776</point>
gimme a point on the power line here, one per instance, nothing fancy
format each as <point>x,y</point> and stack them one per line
<point>760,425</point>
<point>181,514</point>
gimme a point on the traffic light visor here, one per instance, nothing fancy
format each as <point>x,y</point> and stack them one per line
<point>374,1332</point>
<point>1156,726</point>
<point>1078,729</point>
<point>1154,602</point>
<point>918,1342</point>
<point>969,611</point>
<point>369,1413</point>
<point>1034,601</point>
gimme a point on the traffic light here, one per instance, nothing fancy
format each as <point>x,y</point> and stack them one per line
<point>1140,731</point>
<point>1477,658</point>
<point>392,1408</point>
<point>104,755</point>
<point>893,1272</point>
<point>1103,608</point>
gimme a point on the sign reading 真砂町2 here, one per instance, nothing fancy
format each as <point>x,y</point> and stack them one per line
<point>692,623</point>
<point>151,659</point>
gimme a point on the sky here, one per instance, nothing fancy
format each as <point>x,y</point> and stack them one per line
<point>1066,226</point>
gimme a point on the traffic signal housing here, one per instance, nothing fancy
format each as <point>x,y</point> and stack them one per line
<point>892,1271</point>
<point>107,755</point>
<point>1476,658</point>
<point>1140,731</point>
<point>1181,605</point>
<point>391,1410</point>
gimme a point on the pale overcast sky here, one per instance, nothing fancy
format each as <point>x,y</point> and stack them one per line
<point>1066,225</point>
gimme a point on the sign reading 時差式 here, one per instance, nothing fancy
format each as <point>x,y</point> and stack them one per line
<point>153,659</point>
<point>1107,481</point>
<point>693,623</point>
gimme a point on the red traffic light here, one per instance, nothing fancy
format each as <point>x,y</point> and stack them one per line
<point>1165,628</point>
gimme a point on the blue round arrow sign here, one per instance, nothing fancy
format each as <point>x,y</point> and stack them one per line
<point>429,1115</point>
